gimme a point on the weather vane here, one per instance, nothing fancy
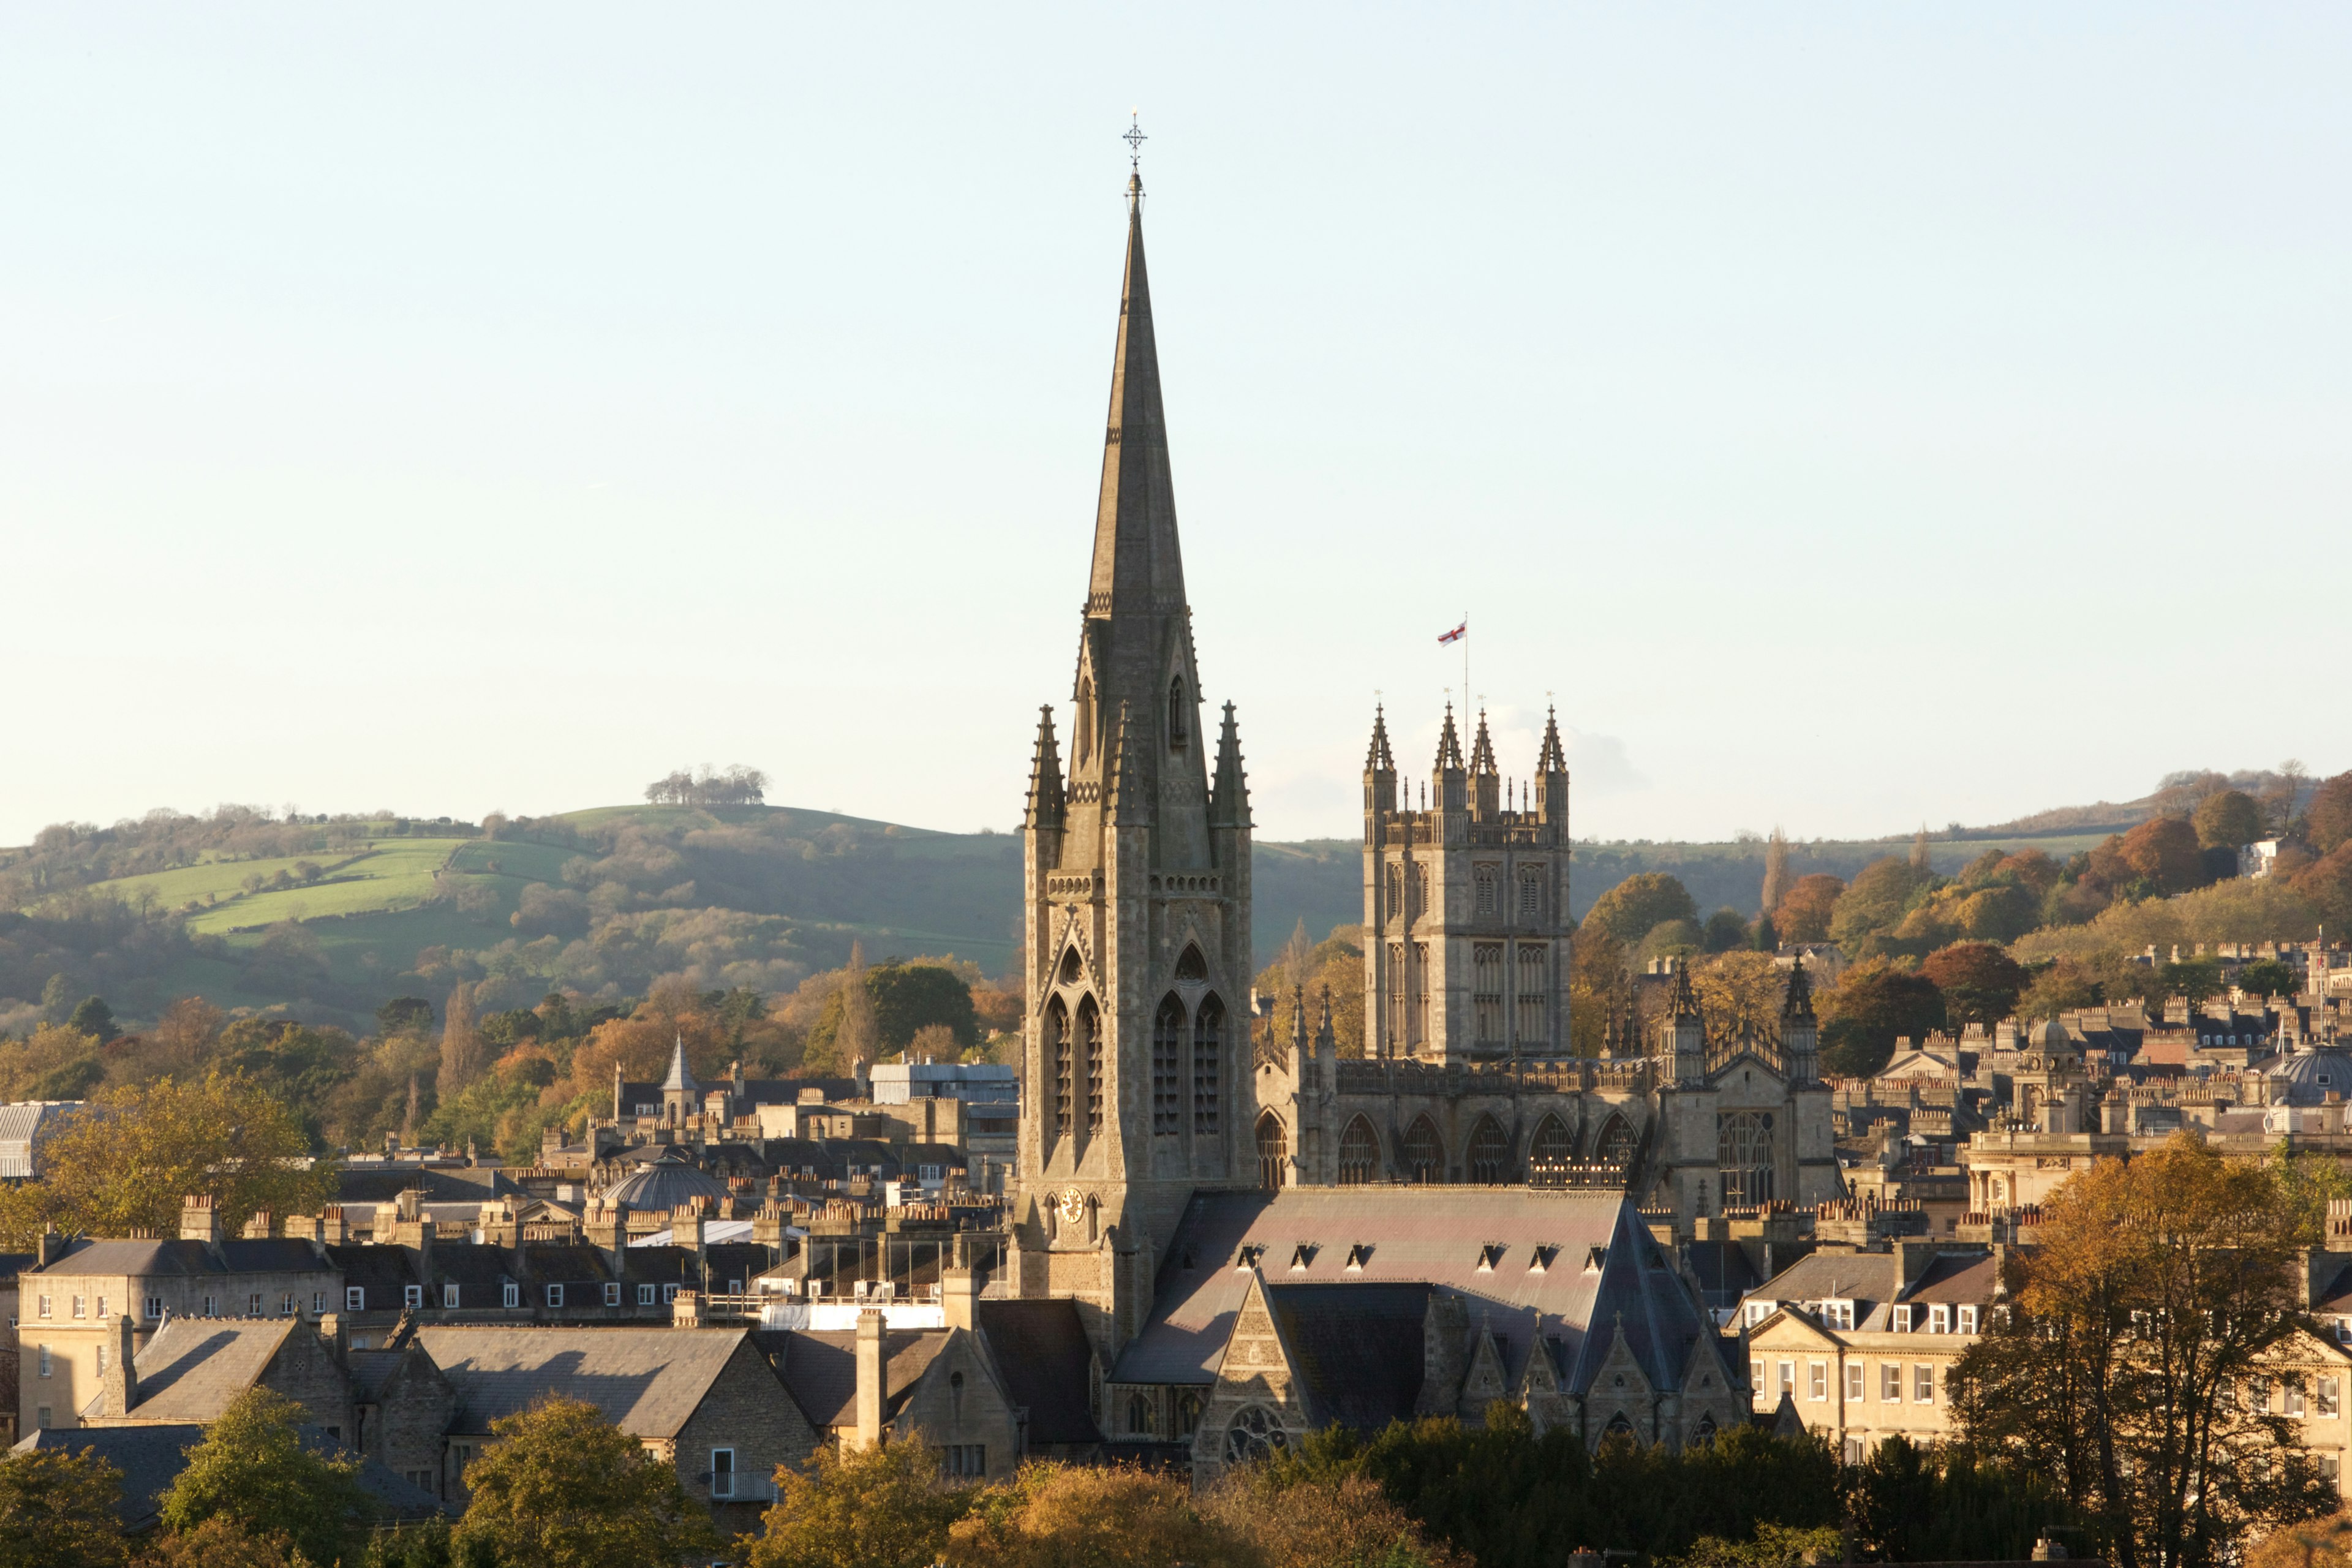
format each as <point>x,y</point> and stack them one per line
<point>1135,139</point>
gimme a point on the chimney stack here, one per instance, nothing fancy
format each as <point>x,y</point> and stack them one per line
<point>120,1388</point>
<point>199,1220</point>
<point>871,1364</point>
<point>960,1296</point>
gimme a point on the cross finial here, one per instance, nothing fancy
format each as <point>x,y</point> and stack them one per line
<point>1135,139</point>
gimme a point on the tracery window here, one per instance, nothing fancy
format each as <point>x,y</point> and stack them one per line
<point>1190,965</point>
<point>1082,742</point>
<point>1179,726</point>
<point>1487,991</point>
<point>1138,1416</point>
<point>1089,1049</point>
<point>1616,1145</point>
<point>1273,1152</point>
<point>1531,894</point>
<point>1359,1154</point>
<point>1208,1063</point>
<point>1420,898</point>
<point>1533,993</point>
<point>1481,878</point>
<point>1168,1069</point>
<point>1396,1029</point>
<point>1421,991</point>
<point>1256,1434</point>
<point>1743,1154</point>
<point>1396,893</point>
<point>1424,1156</point>
<point>1490,1153</point>
<point>1058,1058</point>
<point>1551,1145</point>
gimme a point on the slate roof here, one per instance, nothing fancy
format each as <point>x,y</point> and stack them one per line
<point>2336,1296</point>
<point>14,1263</point>
<point>366,1184</point>
<point>1956,1277</point>
<point>277,1254</point>
<point>192,1367</point>
<point>646,1381</point>
<point>664,1185</point>
<point>1357,1348</point>
<point>820,1368</point>
<point>151,1458</point>
<point>1041,1352</point>
<point>384,1272</point>
<point>1723,1270</point>
<point>1599,1261</point>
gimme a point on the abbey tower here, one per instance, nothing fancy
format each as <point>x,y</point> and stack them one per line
<point>1136,1089</point>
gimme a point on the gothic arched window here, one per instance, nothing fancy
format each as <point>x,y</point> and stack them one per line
<point>1615,1146</point>
<point>1072,967</point>
<point>1273,1152</point>
<point>1618,1427</point>
<point>1359,1154</point>
<point>1208,1063</point>
<point>1082,739</point>
<point>1744,1156</point>
<point>1256,1434</point>
<point>1706,1433</point>
<point>1168,1069</point>
<point>1190,965</point>
<point>1088,1044</point>
<point>1424,1156</point>
<point>1490,1153</point>
<point>1481,878</point>
<point>1531,894</point>
<point>1396,892</point>
<point>1057,1062</point>
<point>1551,1145</point>
<point>1188,1413</point>
<point>1138,1416</point>
<point>1179,725</point>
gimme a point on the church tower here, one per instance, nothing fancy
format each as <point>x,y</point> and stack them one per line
<point>1136,1084</point>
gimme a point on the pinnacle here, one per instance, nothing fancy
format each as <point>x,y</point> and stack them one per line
<point>1449,744</point>
<point>1482,750</point>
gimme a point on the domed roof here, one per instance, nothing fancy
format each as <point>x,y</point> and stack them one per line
<point>2309,1077</point>
<point>2051,1036</point>
<point>664,1185</point>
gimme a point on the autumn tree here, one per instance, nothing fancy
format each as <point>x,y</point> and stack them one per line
<point>2135,1367</point>
<point>2328,883</point>
<point>2228,820</point>
<point>1804,914</point>
<point>856,1034</point>
<point>253,1470</point>
<point>2164,853</point>
<point>222,1543</point>
<point>1979,981</point>
<point>562,1487</point>
<point>1338,1521</point>
<point>1870,909</point>
<point>2268,977</point>
<point>2327,820</point>
<point>1104,1516</point>
<point>1640,904</point>
<point>1724,930</point>
<point>1739,987</point>
<point>885,1507</point>
<point>127,1161</point>
<point>58,1510</point>
<point>1870,1005</point>
<point>909,996</point>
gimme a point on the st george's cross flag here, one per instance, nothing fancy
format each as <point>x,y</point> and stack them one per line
<point>1457,634</point>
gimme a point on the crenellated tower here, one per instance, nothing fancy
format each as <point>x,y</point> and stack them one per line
<point>1465,904</point>
<point>1136,1086</point>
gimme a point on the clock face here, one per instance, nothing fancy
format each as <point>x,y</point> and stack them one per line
<point>1074,1206</point>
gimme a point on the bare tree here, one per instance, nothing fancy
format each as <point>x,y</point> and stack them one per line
<point>1776,870</point>
<point>461,1043</point>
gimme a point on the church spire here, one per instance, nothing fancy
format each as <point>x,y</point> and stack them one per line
<point>1228,794</point>
<point>1551,775</point>
<point>1453,775</point>
<point>1485,779</point>
<point>1376,757</point>
<point>1045,799</point>
<point>1137,566</point>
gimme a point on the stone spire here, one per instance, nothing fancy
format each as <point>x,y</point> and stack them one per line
<point>681,1076</point>
<point>1045,798</point>
<point>1799,1002</point>
<point>1800,1033</point>
<point>1453,779</point>
<point>1485,779</point>
<point>1138,566</point>
<point>1229,794</point>
<point>1379,773</point>
<point>1551,773</point>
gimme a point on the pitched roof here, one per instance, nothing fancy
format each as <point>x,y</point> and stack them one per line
<point>192,1367</point>
<point>276,1255</point>
<point>820,1368</point>
<point>1042,1352</point>
<point>646,1381</point>
<point>151,1458</point>
<point>1596,1259</point>
<point>1357,1348</point>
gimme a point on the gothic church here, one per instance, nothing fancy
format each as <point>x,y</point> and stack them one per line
<point>1266,1239</point>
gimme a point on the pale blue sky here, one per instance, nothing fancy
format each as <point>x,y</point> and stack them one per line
<point>1858,415</point>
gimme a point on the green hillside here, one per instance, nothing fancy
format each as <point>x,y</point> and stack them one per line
<point>329,916</point>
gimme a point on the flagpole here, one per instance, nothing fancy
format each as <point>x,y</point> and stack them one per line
<point>1466,661</point>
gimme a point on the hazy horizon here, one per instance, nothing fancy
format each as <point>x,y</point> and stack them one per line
<point>1857,418</point>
